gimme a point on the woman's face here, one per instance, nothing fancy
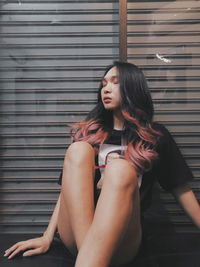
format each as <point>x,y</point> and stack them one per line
<point>110,92</point>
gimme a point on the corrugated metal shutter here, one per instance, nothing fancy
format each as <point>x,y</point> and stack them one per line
<point>164,39</point>
<point>52,56</point>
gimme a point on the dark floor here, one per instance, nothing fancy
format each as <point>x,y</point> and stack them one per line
<point>170,250</point>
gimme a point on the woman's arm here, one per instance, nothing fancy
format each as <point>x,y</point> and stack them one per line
<point>189,202</point>
<point>52,226</point>
<point>37,245</point>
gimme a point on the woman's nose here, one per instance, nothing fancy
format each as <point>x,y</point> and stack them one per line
<point>107,88</point>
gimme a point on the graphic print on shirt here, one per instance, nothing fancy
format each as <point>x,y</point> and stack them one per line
<point>107,153</point>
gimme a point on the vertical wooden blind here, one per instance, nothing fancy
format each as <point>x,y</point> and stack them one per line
<point>164,40</point>
<point>52,56</point>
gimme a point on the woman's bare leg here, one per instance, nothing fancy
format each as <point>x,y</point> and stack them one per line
<point>109,237</point>
<point>77,196</point>
<point>115,233</point>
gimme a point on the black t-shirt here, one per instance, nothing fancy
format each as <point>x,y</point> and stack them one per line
<point>170,170</point>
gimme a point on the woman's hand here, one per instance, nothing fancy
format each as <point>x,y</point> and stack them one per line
<point>37,245</point>
<point>33,246</point>
<point>100,182</point>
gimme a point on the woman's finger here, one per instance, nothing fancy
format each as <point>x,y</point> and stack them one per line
<point>33,246</point>
<point>32,252</point>
<point>16,251</point>
<point>11,249</point>
<point>26,245</point>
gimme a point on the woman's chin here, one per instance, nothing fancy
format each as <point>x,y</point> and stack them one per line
<point>109,107</point>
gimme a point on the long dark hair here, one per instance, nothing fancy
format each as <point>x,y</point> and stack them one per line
<point>137,112</point>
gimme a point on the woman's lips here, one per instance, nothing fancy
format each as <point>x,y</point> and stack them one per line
<point>107,100</point>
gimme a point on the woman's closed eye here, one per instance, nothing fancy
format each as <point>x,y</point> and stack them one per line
<point>104,83</point>
<point>115,80</point>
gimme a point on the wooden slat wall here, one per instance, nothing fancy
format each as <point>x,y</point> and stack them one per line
<point>164,39</point>
<point>52,56</point>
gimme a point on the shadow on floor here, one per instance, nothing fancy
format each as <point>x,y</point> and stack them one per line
<point>177,250</point>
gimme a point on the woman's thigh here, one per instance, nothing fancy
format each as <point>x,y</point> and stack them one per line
<point>80,155</point>
<point>65,229</point>
<point>130,241</point>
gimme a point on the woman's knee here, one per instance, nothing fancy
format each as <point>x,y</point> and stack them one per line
<point>121,174</point>
<point>79,152</point>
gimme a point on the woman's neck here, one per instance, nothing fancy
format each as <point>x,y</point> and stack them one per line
<point>118,120</point>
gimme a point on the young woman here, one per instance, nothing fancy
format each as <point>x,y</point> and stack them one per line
<point>109,170</point>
